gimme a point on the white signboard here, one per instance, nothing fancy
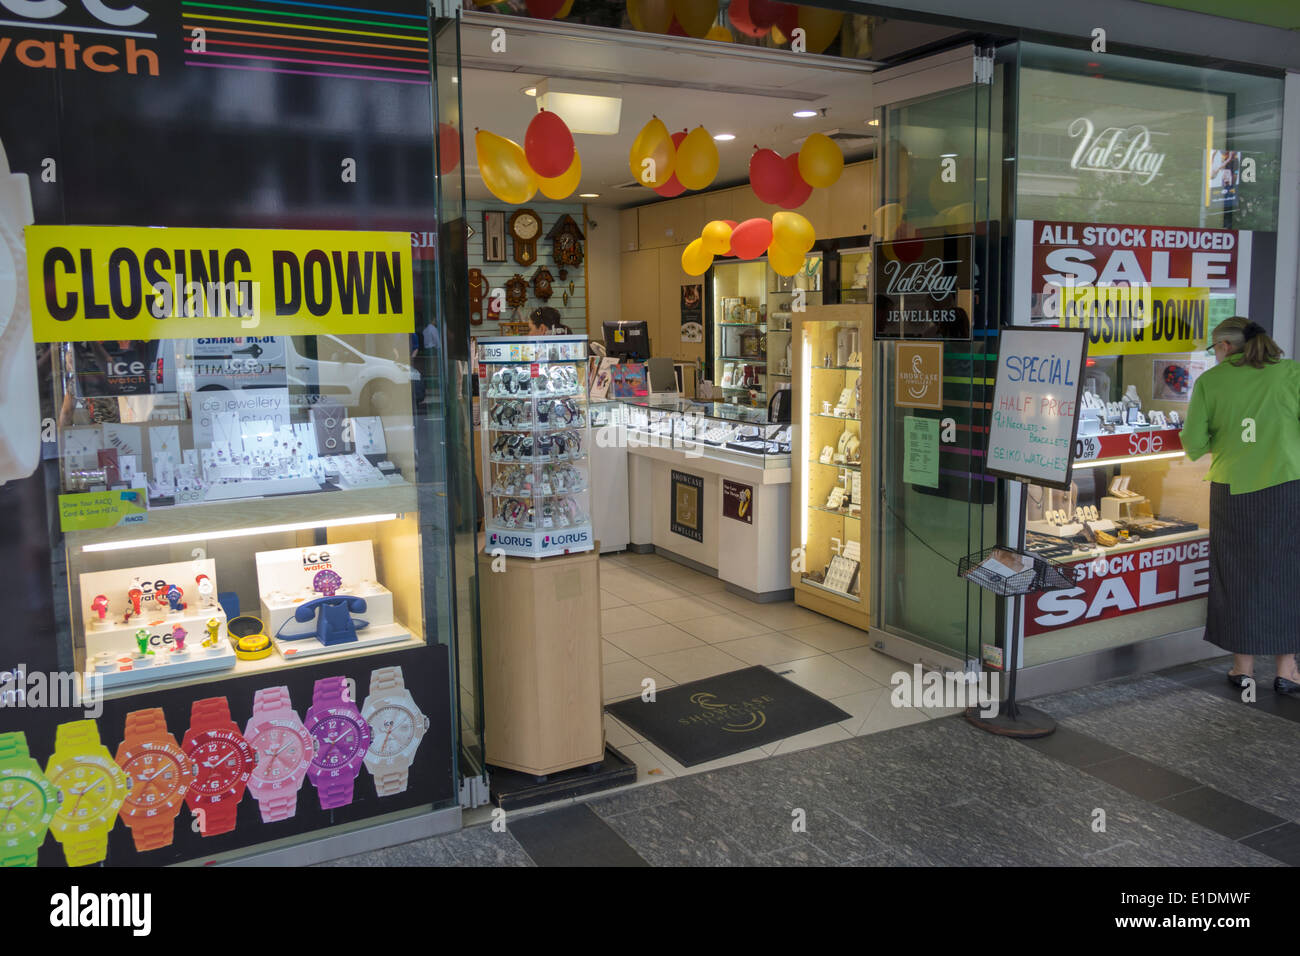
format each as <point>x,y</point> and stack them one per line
<point>1036,405</point>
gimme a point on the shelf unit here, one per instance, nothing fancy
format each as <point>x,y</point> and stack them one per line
<point>830,498</point>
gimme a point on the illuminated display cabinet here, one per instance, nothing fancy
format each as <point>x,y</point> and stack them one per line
<point>830,506</point>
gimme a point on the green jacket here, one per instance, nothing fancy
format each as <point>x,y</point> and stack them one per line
<point>1249,419</point>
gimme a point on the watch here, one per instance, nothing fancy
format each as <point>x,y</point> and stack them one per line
<point>158,773</point>
<point>224,762</point>
<point>398,727</point>
<point>28,801</point>
<point>284,751</point>
<point>342,738</point>
<point>92,788</point>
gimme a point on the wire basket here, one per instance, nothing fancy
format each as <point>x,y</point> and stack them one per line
<point>1010,571</point>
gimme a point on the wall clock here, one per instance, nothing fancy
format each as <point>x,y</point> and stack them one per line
<point>494,235</point>
<point>526,227</point>
<point>477,292</point>
<point>542,280</point>
<point>567,244</point>
<point>516,291</point>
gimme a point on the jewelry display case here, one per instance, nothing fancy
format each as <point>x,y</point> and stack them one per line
<point>830,501</point>
<point>715,430</point>
<point>536,431</point>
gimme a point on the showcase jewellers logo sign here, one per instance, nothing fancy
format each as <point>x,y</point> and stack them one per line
<point>75,909</point>
<point>1124,151</point>
<point>930,277</point>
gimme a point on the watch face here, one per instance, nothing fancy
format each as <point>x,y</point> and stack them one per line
<point>92,788</point>
<point>340,738</point>
<point>526,226</point>
<point>159,776</point>
<point>283,752</point>
<point>224,760</point>
<point>394,728</point>
<point>26,807</point>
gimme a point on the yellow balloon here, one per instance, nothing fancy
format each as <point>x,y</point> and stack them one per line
<point>697,159</point>
<point>820,27</point>
<point>720,33</point>
<point>650,16</point>
<point>793,232</point>
<point>783,261</point>
<point>696,259</point>
<point>565,10</point>
<point>653,143</point>
<point>820,161</point>
<point>563,185</point>
<point>505,169</point>
<point>716,238</point>
<point>695,16</point>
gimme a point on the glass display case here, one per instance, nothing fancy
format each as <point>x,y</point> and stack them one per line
<point>855,275</point>
<point>830,507</point>
<point>713,429</point>
<point>536,441</point>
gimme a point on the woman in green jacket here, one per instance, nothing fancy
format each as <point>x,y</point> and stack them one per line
<point>1246,412</point>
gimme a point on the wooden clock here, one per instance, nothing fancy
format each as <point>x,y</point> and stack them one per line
<point>516,291</point>
<point>542,280</point>
<point>567,239</point>
<point>525,227</point>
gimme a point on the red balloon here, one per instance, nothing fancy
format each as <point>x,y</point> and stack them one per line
<point>548,145</point>
<point>675,29</point>
<point>731,222</point>
<point>545,10</point>
<point>673,187</point>
<point>448,148</point>
<point>769,176</point>
<point>788,20</point>
<point>739,15</point>
<point>799,190</point>
<point>751,238</point>
<point>765,13</point>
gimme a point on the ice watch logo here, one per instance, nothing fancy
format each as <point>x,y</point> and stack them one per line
<point>116,42</point>
<point>77,909</point>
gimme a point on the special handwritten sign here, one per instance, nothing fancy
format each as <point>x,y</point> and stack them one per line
<point>1036,405</point>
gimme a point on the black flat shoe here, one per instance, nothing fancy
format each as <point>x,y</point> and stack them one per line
<point>1288,688</point>
<point>1242,681</point>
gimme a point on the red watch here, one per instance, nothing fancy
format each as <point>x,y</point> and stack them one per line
<point>224,760</point>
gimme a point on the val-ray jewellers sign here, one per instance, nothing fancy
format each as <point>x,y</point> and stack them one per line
<point>923,288</point>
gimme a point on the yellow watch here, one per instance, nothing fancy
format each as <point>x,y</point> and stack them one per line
<point>92,788</point>
<point>248,636</point>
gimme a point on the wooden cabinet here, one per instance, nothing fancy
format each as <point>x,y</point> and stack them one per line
<point>542,676</point>
<point>852,201</point>
<point>661,224</point>
<point>719,205</point>
<point>628,230</point>
<point>639,288</point>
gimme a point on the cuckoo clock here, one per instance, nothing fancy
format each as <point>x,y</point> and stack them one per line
<point>567,239</point>
<point>516,291</point>
<point>542,280</point>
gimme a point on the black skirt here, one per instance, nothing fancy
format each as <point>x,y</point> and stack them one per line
<point>1254,601</point>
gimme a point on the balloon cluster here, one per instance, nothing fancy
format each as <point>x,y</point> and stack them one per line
<point>548,161</point>
<point>672,164</point>
<point>759,18</point>
<point>681,18</point>
<point>786,239</point>
<point>788,181</point>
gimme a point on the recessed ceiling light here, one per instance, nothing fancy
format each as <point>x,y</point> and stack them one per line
<point>531,91</point>
<point>725,137</point>
<point>805,114</point>
<point>873,122</point>
<point>947,155</point>
<point>588,195</point>
<point>455,79</point>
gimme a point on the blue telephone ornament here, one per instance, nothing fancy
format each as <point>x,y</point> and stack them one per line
<point>334,622</point>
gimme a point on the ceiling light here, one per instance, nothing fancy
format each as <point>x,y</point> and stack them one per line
<point>588,195</point>
<point>947,155</point>
<point>873,122</point>
<point>805,114</point>
<point>725,137</point>
<point>530,91</point>
<point>585,107</point>
<point>455,79</point>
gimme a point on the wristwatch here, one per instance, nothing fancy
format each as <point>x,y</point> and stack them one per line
<point>159,774</point>
<point>92,789</point>
<point>284,750</point>
<point>28,801</point>
<point>224,762</point>
<point>398,727</point>
<point>342,738</point>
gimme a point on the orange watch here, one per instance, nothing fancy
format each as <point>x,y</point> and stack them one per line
<point>159,774</point>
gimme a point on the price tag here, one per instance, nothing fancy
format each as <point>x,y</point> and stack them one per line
<point>1087,449</point>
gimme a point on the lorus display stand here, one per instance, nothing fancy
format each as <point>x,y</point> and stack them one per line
<point>542,686</point>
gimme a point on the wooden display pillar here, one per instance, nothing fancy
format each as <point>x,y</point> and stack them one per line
<point>543,697</point>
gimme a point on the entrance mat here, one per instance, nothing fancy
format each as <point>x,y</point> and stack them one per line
<point>512,790</point>
<point>719,716</point>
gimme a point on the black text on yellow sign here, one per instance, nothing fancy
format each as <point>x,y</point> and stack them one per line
<point>95,283</point>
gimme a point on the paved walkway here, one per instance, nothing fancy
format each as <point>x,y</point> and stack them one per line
<point>1169,769</point>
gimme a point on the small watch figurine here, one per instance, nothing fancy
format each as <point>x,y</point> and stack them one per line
<point>142,641</point>
<point>178,637</point>
<point>100,605</point>
<point>213,626</point>
<point>135,596</point>
<point>206,589</point>
<point>174,595</point>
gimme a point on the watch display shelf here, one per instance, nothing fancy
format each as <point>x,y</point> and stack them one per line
<point>536,431</point>
<point>717,430</point>
<point>831,494</point>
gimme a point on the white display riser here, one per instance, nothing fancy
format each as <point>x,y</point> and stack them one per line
<point>539,543</point>
<point>167,666</point>
<point>121,637</point>
<point>258,489</point>
<point>379,611</point>
<point>371,636</point>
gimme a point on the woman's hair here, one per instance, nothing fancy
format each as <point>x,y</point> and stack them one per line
<point>1249,338</point>
<point>548,318</point>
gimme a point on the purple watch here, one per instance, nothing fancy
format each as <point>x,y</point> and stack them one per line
<point>342,738</point>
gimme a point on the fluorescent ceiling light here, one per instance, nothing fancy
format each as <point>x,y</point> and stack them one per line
<point>947,155</point>
<point>725,137</point>
<point>805,114</point>
<point>585,107</point>
<point>588,195</point>
<point>1104,462</point>
<point>235,533</point>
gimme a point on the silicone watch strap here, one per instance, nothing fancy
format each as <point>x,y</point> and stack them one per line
<point>150,833</point>
<point>334,792</point>
<point>269,702</point>
<point>13,748</point>
<point>82,737</point>
<point>213,713</point>
<point>394,781</point>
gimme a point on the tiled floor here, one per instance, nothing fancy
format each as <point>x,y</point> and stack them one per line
<point>666,622</point>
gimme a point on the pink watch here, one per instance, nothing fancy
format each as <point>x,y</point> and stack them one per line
<point>284,752</point>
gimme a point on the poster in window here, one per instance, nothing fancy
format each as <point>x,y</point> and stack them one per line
<point>693,313</point>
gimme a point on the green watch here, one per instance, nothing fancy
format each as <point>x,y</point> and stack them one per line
<point>27,802</point>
